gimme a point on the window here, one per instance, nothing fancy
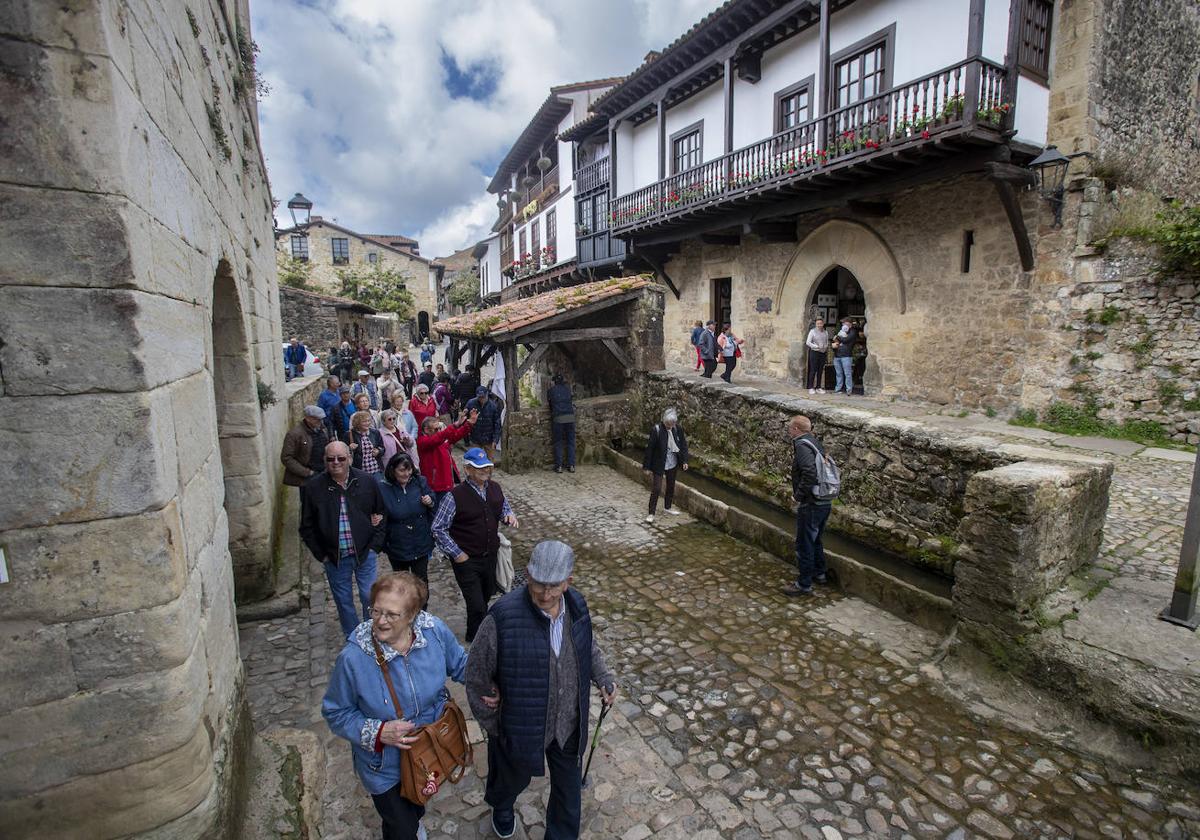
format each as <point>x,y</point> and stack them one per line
<point>341,251</point>
<point>583,218</point>
<point>1034,52</point>
<point>864,69</point>
<point>552,236</point>
<point>687,148</point>
<point>601,212</point>
<point>535,242</point>
<point>372,258</point>
<point>300,248</point>
<point>793,105</point>
<point>521,252</point>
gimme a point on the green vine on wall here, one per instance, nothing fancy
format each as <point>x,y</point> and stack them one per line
<point>1176,232</point>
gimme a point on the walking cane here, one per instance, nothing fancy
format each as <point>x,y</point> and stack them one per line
<point>604,708</point>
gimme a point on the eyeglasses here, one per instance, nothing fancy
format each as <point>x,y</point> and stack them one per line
<point>390,617</point>
<point>338,460</point>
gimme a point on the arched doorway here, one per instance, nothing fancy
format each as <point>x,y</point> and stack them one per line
<point>839,295</point>
<point>422,325</point>
<point>239,433</point>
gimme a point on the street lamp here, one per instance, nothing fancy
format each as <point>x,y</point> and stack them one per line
<point>1050,167</point>
<point>299,202</point>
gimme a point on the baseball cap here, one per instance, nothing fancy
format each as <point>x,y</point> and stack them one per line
<point>480,391</point>
<point>363,373</point>
<point>476,457</point>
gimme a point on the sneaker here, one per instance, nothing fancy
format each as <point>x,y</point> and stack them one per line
<point>812,390</point>
<point>558,469</point>
<point>671,511</point>
<point>820,390</point>
<point>650,518</point>
<point>795,590</point>
<point>504,824</point>
<point>571,468</point>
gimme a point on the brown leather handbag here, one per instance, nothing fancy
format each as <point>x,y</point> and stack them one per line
<point>441,750</point>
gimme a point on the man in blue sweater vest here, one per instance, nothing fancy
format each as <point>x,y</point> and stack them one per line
<point>527,681</point>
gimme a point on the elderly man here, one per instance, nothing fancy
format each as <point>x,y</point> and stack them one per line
<point>294,357</point>
<point>366,385</point>
<point>467,529</point>
<point>812,512</point>
<point>328,401</point>
<point>486,432</point>
<point>340,522</point>
<point>342,412</point>
<point>527,682</point>
<point>303,453</point>
<point>427,378</point>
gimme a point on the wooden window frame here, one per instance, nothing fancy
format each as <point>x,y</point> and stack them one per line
<point>552,230</point>
<point>521,252</point>
<point>886,37</point>
<point>696,128</point>
<point>299,253</point>
<point>333,249</point>
<point>787,93</point>
<point>1024,65</point>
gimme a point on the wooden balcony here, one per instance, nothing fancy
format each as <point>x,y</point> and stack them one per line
<point>598,247</point>
<point>592,177</point>
<point>541,192</point>
<point>961,106</point>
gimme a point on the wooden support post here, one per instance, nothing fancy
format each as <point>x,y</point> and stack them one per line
<point>728,105</point>
<point>823,69</point>
<point>974,53</point>
<point>662,139</point>
<point>509,353</point>
<point>1182,609</point>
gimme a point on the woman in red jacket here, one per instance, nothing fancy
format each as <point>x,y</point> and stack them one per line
<point>433,445</point>
<point>422,405</point>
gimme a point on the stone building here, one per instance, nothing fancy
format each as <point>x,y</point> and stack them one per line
<point>139,308</point>
<point>772,165</point>
<point>323,321</point>
<point>329,248</point>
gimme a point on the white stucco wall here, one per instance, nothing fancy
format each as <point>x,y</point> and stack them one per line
<point>490,278</point>
<point>707,105</point>
<point>754,104</point>
<point>1033,111</point>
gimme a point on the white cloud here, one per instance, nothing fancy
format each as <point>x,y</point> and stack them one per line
<point>359,118</point>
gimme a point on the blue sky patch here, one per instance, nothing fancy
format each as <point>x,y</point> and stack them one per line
<point>476,81</point>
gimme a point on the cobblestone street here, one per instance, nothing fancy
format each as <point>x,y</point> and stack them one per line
<point>743,714</point>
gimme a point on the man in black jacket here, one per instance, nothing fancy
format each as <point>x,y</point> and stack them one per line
<point>708,349</point>
<point>340,522</point>
<point>811,513</point>
<point>562,419</point>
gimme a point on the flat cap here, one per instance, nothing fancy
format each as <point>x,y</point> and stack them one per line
<point>314,411</point>
<point>551,562</point>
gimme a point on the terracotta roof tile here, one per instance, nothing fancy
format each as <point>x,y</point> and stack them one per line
<point>498,320</point>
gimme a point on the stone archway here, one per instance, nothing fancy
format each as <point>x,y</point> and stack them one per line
<point>861,251</point>
<point>239,433</point>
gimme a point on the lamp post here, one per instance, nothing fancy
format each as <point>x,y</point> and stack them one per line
<point>1050,167</point>
<point>1182,609</point>
<point>301,204</point>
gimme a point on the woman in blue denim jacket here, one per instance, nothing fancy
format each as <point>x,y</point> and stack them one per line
<point>420,652</point>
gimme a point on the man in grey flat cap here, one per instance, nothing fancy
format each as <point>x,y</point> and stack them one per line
<point>527,681</point>
<point>303,453</point>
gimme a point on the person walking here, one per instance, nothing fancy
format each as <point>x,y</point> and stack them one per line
<point>528,680</point>
<point>426,376</point>
<point>467,529</point>
<point>812,513</point>
<point>408,375</point>
<point>419,653</point>
<point>708,350</point>
<point>666,451</point>
<point>562,419</point>
<point>388,386</point>
<point>408,517</point>
<point>363,403</point>
<point>422,405</point>
<point>731,350</point>
<point>434,442</point>
<point>328,402</point>
<point>341,523</point>
<point>396,439</point>
<point>697,329</point>
<point>366,444</point>
<point>465,385</point>
<point>843,357</point>
<point>486,431</point>
<point>366,385</point>
<point>303,453</point>
<point>342,413</point>
<point>443,397</point>
<point>346,359</point>
<point>817,343</point>
<point>294,356</point>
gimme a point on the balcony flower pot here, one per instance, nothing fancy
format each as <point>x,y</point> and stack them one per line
<point>544,163</point>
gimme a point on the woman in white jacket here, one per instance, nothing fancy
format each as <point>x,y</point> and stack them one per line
<point>818,352</point>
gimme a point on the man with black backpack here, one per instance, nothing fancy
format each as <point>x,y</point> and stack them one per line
<point>815,483</point>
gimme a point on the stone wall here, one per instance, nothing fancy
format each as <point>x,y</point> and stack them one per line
<point>311,318</point>
<point>137,297</point>
<point>904,484</point>
<point>599,421</point>
<point>934,332</point>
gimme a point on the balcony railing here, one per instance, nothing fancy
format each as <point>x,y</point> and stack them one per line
<point>910,114</point>
<point>543,190</point>
<point>591,177</point>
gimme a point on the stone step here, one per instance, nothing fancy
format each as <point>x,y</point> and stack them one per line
<point>286,779</point>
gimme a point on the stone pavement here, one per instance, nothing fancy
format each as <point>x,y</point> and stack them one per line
<point>744,714</point>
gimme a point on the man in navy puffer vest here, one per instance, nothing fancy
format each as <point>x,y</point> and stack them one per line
<point>527,681</point>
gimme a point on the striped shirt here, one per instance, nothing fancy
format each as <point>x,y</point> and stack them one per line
<point>556,625</point>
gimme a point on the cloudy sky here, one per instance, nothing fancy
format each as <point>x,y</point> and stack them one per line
<point>391,115</point>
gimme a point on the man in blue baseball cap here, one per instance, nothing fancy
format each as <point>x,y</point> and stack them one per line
<point>466,528</point>
<point>486,431</point>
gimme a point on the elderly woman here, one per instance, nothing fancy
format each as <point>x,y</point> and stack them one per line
<point>437,464</point>
<point>388,384</point>
<point>363,403</point>
<point>366,444</point>
<point>422,404</point>
<point>419,652</point>
<point>409,514</point>
<point>396,439</point>
<point>666,450</point>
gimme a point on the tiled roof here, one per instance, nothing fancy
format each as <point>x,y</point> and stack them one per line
<point>498,321</point>
<point>337,302</point>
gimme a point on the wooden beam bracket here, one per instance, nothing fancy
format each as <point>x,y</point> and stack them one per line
<point>618,354</point>
<point>1012,209</point>
<point>532,359</point>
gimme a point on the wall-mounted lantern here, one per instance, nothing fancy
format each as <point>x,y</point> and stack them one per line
<point>1050,167</point>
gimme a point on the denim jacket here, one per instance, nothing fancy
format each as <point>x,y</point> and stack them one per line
<point>357,702</point>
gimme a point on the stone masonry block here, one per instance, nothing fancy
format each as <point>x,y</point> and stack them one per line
<point>195,423</point>
<point>120,460</point>
<point>60,341</point>
<point>201,506</point>
<point>92,569</point>
<point>115,803</point>
<point>135,642</point>
<point>36,666</point>
<point>126,721</point>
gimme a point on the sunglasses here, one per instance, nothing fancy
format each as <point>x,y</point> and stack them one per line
<point>337,460</point>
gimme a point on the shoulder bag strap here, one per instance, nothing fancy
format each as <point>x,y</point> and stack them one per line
<point>387,677</point>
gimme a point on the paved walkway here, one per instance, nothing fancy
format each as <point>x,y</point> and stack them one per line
<point>744,714</point>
